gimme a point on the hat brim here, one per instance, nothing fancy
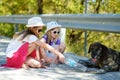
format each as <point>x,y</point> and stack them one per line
<point>35,25</point>
<point>59,26</point>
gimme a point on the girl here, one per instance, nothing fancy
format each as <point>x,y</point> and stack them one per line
<point>52,38</point>
<point>21,52</point>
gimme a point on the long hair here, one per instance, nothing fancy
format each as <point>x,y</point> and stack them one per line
<point>26,32</point>
<point>49,37</point>
<point>48,33</point>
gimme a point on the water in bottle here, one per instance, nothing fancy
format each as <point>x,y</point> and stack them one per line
<point>72,63</point>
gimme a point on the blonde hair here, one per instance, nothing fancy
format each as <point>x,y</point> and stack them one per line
<point>48,33</point>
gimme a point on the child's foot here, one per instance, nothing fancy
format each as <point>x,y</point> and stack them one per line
<point>25,66</point>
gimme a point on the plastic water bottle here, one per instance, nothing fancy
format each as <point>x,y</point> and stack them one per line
<point>53,64</point>
<point>72,63</point>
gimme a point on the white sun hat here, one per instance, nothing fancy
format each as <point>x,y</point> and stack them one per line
<point>51,25</point>
<point>35,21</point>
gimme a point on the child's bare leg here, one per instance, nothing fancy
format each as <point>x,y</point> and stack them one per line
<point>42,54</point>
<point>29,60</point>
<point>33,62</point>
<point>32,47</point>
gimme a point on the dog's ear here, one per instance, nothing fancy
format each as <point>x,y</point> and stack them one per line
<point>89,50</point>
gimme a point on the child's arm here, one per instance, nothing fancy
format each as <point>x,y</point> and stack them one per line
<point>48,47</point>
<point>42,52</point>
<point>62,47</point>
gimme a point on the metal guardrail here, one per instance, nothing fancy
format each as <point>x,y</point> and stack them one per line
<point>94,22</point>
<point>97,22</point>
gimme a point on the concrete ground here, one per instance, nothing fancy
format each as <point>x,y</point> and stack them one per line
<point>59,72</point>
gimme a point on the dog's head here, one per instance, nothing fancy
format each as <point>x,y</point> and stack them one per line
<point>96,49</point>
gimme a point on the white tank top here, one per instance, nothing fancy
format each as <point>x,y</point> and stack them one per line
<point>15,44</point>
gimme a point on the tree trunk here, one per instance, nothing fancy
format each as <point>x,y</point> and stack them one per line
<point>97,6</point>
<point>40,6</point>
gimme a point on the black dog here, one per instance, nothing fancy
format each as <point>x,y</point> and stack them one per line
<point>103,57</point>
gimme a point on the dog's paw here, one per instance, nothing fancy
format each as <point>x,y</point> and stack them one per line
<point>98,71</point>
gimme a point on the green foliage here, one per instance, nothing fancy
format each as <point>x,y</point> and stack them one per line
<point>104,6</point>
<point>10,7</point>
<point>63,6</point>
<point>6,30</point>
<point>75,41</point>
<point>113,6</point>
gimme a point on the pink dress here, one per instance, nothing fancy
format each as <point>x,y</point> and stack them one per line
<point>17,51</point>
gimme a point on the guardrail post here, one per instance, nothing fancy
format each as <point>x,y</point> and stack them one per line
<point>85,39</point>
<point>15,27</point>
<point>85,43</point>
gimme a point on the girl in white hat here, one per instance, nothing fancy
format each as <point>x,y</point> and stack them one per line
<point>21,52</point>
<point>51,37</point>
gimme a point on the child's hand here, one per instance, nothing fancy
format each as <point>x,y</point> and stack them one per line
<point>49,60</point>
<point>62,58</point>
